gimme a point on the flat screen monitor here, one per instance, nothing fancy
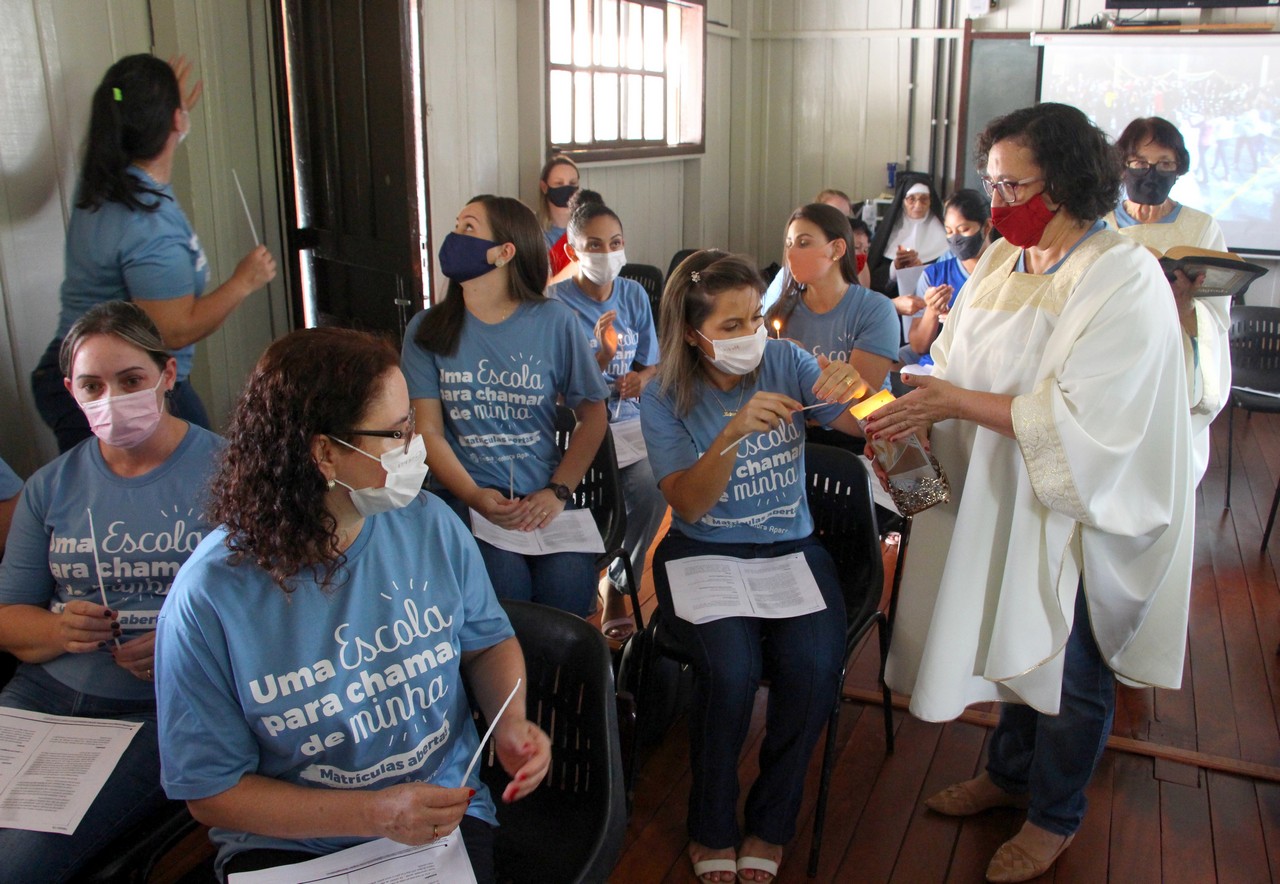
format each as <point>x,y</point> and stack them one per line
<point>1219,90</point>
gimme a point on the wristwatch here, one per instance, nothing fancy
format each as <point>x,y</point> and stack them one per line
<point>562,491</point>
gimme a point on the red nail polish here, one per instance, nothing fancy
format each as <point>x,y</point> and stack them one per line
<point>471,793</point>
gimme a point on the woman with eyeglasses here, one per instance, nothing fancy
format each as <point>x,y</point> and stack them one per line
<point>311,657</point>
<point>486,367</point>
<point>1155,157</point>
<point>1057,407</point>
<point>97,537</point>
<point>911,234</point>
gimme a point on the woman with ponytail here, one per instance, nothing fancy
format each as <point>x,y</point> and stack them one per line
<point>128,238</point>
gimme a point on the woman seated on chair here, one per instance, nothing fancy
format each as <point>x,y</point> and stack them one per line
<point>96,539</point>
<point>614,313</point>
<point>311,655</point>
<point>485,368</point>
<point>726,442</point>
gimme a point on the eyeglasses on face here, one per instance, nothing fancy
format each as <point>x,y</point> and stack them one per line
<point>406,434</point>
<point>1142,167</point>
<point>1008,190</point>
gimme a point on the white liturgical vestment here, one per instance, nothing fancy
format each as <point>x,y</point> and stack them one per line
<point>1096,488</point>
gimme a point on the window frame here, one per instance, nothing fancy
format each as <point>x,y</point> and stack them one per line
<point>624,149</point>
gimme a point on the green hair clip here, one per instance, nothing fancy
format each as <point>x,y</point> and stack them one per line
<point>115,93</point>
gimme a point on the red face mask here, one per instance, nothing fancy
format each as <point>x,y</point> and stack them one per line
<point>1023,225</point>
<point>861,261</point>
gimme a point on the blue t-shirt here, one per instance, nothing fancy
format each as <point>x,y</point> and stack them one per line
<point>553,235</point>
<point>777,286</point>
<point>764,501</point>
<point>1124,219</point>
<point>146,527</point>
<point>354,686</point>
<point>947,271</point>
<point>498,390</point>
<point>117,254</point>
<point>862,320</point>
<point>637,339</point>
<point>10,483</point>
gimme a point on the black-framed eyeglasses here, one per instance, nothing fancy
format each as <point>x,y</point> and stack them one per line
<point>406,434</point>
<point>1008,190</point>
<point>1142,167</point>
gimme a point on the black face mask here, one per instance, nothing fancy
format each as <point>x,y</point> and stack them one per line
<point>560,196</point>
<point>1149,188</point>
<point>966,247</point>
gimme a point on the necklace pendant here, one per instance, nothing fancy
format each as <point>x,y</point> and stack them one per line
<point>730,413</point>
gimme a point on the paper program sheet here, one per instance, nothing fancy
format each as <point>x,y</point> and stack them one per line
<point>443,861</point>
<point>571,531</point>
<point>706,588</point>
<point>52,767</point>
<point>628,442</point>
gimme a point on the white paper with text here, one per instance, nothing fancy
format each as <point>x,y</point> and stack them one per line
<point>52,767</point>
<point>571,531</point>
<point>443,861</point>
<point>706,588</point>
<point>628,442</point>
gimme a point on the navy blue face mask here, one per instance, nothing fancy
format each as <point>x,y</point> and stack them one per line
<point>560,196</point>
<point>1149,188</point>
<point>463,257</point>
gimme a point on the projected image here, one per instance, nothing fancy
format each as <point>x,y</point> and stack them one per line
<point>1220,94</point>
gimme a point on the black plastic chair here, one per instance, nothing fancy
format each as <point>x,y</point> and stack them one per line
<point>677,258</point>
<point>651,278</point>
<point>571,828</point>
<point>132,856</point>
<point>1255,363</point>
<point>839,496</point>
<point>600,491</point>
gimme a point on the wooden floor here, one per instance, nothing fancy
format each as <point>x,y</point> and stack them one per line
<point>1213,814</point>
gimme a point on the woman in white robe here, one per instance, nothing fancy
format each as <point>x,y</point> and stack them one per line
<point>1155,156</point>
<point>1064,557</point>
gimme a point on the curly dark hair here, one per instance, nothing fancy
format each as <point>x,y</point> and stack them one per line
<point>1078,162</point>
<point>268,491</point>
<point>1157,130</point>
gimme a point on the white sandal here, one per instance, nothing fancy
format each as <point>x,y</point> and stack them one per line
<point>756,864</point>
<point>707,866</point>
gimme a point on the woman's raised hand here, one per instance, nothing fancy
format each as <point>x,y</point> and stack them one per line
<point>256,269</point>
<point>839,381</point>
<point>182,69</point>
<point>606,334</point>
<point>937,297</point>
<point>762,413</point>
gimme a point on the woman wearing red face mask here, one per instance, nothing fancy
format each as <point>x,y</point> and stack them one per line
<point>1066,435</point>
<point>96,540</point>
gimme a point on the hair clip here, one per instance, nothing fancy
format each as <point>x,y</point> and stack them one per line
<point>116,94</point>
<point>696,276</point>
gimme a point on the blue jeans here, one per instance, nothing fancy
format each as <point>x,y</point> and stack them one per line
<point>1051,758</point>
<point>561,580</point>
<point>804,658</point>
<point>646,508</point>
<point>60,411</point>
<point>131,793</point>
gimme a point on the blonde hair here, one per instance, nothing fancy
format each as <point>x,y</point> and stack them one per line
<point>126,321</point>
<point>544,208</point>
<point>687,301</point>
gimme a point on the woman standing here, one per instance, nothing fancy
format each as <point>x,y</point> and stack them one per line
<point>311,656</point>
<point>128,238</point>
<point>614,313</point>
<point>96,540</point>
<point>1155,157</point>
<point>1066,438</point>
<point>726,441</point>
<point>485,368</point>
<point>557,184</point>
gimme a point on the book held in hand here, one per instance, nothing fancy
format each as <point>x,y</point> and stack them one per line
<point>1226,275</point>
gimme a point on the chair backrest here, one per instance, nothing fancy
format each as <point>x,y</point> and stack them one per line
<point>1255,347</point>
<point>651,278</point>
<point>571,828</point>
<point>600,490</point>
<point>844,518</point>
<point>677,258</point>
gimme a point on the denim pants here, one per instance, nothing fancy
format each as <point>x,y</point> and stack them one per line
<point>62,413</point>
<point>646,508</point>
<point>804,657</point>
<point>561,580</point>
<point>1051,758</point>
<point>131,792</point>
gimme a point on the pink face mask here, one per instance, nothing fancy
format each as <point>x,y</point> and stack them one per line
<point>125,421</point>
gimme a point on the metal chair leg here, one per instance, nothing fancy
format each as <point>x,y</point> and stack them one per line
<point>1231,416</point>
<point>824,782</point>
<point>1271,520</point>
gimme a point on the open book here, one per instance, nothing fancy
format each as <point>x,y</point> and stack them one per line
<point>1225,273</point>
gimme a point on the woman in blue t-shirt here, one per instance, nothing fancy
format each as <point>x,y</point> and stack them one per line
<point>557,184</point>
<point>96,540</point>
<point>129,240</point>
<point>485,368</point>
<point>968,224</point>
<point>614,313</point>
<point>726,442</point>
<point>312,653</point>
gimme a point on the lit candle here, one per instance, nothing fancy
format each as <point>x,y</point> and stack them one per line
<point>777,328</point>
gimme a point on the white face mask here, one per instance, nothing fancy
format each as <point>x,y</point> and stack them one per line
<point>602,268</point>
<point>738,356</point>
<point>406,471</point>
